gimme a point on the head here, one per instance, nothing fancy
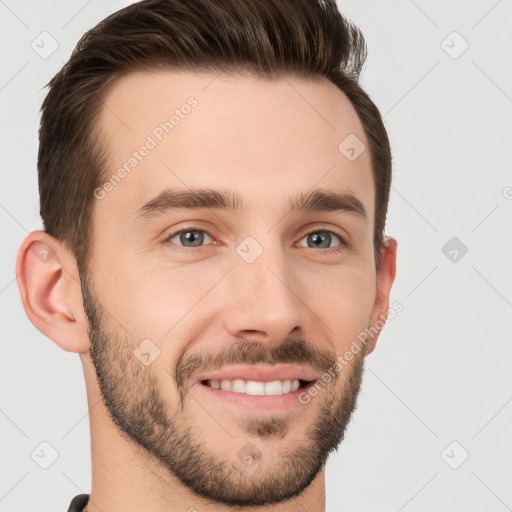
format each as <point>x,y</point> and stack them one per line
<point>232,127</point>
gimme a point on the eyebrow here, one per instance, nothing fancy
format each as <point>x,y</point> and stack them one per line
<point>315,200</point>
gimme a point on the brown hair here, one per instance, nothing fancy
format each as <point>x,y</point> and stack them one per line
<point>270,38</point>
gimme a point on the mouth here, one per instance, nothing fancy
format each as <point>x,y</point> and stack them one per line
<point>258,388</point>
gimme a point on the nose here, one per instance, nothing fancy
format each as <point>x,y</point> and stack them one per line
<point>262,301</point>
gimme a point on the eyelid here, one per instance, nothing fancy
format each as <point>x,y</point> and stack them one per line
<point>340,233</point>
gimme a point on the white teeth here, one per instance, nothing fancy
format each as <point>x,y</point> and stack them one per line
<point>252,387</point>
<point>271,388</point>
<point>225,385</point>
<point>238,386</point>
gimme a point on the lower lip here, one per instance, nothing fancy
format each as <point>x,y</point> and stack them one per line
<point>258,403</point>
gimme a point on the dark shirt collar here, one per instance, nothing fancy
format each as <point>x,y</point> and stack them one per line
<point>78,503</point>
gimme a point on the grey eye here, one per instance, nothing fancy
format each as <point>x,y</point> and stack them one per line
<point>189,237</point>
<point>321,239</point>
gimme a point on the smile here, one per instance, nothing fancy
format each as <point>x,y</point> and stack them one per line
<point>252,387</point>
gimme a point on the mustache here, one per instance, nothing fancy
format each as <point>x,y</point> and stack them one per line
<point>291,351</point>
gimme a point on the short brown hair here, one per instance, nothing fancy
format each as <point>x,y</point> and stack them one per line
<point>269,38</point>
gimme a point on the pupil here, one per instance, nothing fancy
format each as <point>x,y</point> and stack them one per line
<point>192,236</point>
<point>318,238</point>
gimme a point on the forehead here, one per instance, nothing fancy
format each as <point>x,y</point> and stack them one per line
<point>267,139</point>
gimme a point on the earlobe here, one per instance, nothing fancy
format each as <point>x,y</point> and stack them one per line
<point>385,279</point>
<point>50,291</point>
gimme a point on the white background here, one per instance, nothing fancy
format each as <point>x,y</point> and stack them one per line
<point>441,369</point>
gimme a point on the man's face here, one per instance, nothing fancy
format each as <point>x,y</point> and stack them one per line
<point>178,297</point>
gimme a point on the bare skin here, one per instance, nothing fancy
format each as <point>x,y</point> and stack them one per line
<point>162,440</point>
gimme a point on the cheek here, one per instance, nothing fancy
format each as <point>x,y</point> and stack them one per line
<point>172,303</point>
<point>161,303</point>
<point>344,301</point>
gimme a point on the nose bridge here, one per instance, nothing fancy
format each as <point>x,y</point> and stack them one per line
<point>262,295</point>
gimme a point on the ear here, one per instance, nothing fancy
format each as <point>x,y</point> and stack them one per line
<point>385,278</point>
<point>50,290</point>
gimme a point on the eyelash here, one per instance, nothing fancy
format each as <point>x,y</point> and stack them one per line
<point>343,245</point>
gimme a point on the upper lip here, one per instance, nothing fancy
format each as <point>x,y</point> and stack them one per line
<point>262,373</point>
